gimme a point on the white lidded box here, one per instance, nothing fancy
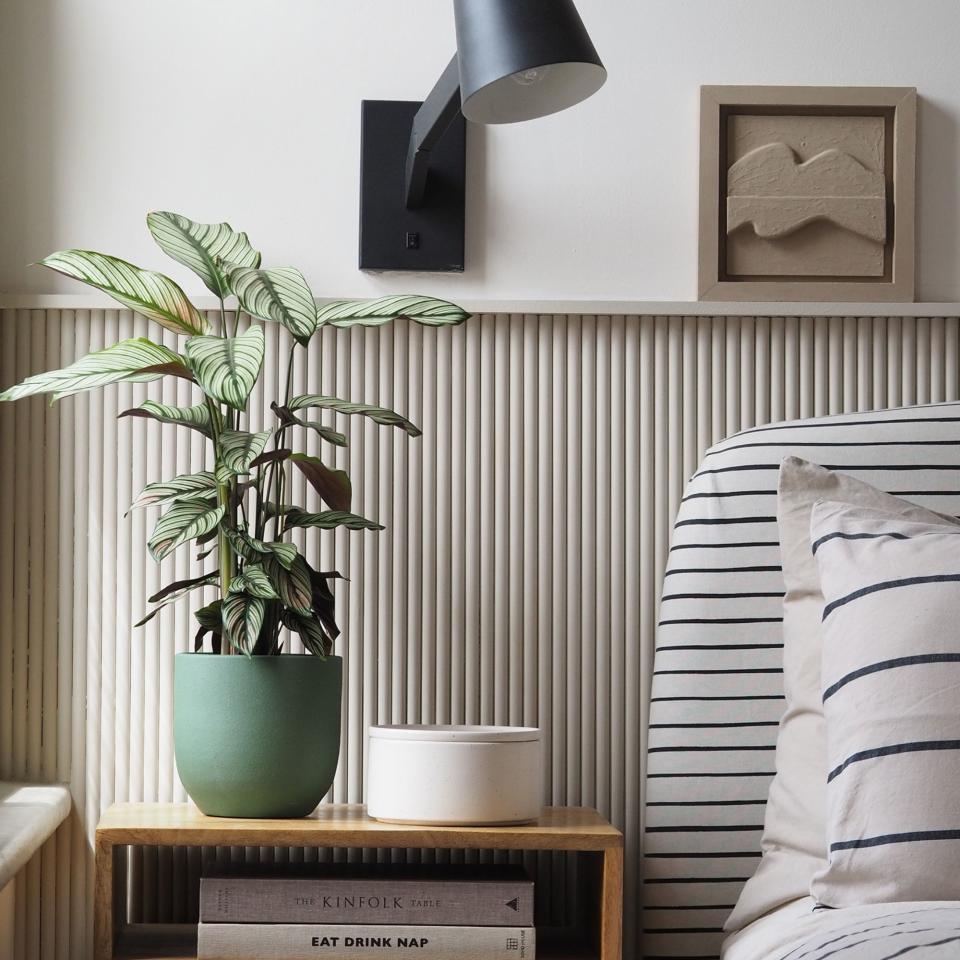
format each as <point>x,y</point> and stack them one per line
<point>449,774</point>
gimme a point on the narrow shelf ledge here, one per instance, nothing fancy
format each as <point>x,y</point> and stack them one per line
<point>29,815</point>
<point>644,308</point>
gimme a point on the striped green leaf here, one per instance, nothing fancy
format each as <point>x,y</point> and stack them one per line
<point>280,294</point>
<point>289,419</point>
<point>242,620</point>
<point>311,632</point>
<point>332,485</point>
<point>252,549</point>
<point>125,360</point>
<point>174,591</point>
<point>227,368</point>
<point>255,581</point>
<point>293,585</point>
<point>152,294</point>
<point>187,486</point>
<point>238,449</point>
<point>196,417</point>
<point>183,521</point>
<point>201,247</point>
<point>329,520</point>
<point>381,415</point>
<point>373,313</point>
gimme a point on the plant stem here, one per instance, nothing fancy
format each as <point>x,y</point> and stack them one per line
<point>278,471</point>
<point>224,499</point>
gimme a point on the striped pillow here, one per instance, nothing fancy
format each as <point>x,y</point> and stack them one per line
<point>891,700</point>
<point>794,835</point>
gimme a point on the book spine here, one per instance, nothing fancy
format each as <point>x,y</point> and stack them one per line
<point>413,902</point>
<point>289,941</point>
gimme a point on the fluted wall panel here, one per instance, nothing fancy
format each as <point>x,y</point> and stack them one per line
<point>517,582</point>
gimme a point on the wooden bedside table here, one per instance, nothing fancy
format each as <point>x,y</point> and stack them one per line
<point>578,829</point>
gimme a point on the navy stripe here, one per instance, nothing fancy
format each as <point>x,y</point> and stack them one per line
<point>919,658</point>
<point>660,673</point>
<point>769,569</point>
<point>724,546</point>
<point>772,696</point>
<point>718,494</point>
<point>667,623</point>
<point>709,855</point>
<point>681,776</point>
<point>919,746</point>
<point>660,880</point>
<point>723,521</point>
<point>722,596</point>
<point>842,467</point>
<point>833,443</point>
<point>888,838</point>
<point>706,803</point>
<point>688,828</point>
<point>827,422</point>
<point>712,726</point>
<point>889,585</point>
<point>839,535</point>
<point>729,748</point>
<point>722,646</point>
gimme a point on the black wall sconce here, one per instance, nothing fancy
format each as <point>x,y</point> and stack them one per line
<point>515,60</point>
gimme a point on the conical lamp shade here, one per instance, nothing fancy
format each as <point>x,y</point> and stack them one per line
<point>522,59</point>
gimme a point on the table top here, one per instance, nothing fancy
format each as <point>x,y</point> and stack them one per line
<point>347,825</point>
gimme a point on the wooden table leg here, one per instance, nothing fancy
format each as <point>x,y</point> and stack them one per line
<point>104,914</point>
<point>611,905</point>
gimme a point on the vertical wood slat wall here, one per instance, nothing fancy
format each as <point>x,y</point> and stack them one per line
<point>518,580</point>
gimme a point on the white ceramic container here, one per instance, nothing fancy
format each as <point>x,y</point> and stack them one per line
<point>454,774</point>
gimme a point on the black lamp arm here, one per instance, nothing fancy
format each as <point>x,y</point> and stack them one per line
<point>438,111</point>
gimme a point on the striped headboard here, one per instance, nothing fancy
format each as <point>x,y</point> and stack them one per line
<point>717,693</point>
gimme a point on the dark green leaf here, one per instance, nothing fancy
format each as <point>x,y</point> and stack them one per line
<point>174,591</point>
<point>332,485</point>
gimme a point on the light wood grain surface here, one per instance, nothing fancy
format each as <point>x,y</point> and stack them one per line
<point>347,825</point>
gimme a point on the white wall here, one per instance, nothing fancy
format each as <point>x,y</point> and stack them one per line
<point>249,110</point>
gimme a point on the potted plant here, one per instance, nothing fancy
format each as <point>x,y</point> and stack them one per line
<point>255,735</point>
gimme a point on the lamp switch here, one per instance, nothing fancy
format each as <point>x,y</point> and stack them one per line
<point>411,241</point>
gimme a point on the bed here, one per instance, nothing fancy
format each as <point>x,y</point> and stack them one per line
<point>717,694</point>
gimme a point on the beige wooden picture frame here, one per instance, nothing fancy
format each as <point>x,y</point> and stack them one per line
<point>850,233</point>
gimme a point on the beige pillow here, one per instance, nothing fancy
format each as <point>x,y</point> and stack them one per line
<point>794,836</point>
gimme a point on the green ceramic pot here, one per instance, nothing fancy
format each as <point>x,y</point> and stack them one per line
<point>256,736</point>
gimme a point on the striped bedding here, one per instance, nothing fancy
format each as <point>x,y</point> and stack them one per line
<point>717,691</point>
<point>914,931</point>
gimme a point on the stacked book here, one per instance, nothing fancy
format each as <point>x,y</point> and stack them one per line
<point>481,914</point>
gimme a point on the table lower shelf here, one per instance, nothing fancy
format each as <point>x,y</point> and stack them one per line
<point>158,941</point>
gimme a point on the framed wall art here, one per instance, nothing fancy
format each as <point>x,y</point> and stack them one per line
<point>807,193</point>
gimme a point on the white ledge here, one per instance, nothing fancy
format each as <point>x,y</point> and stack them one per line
<point>645,308</point>
<point>29,815</point>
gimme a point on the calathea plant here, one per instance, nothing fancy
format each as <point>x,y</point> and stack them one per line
<point>237,510</point>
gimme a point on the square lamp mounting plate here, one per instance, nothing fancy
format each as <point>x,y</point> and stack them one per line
<point>392,236</point>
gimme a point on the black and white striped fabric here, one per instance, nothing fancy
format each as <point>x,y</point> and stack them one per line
<point>913,931</point>
<point>891,702</point>
<point>717,693</point>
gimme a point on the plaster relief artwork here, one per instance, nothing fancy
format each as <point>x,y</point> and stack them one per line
<point>806,196</point>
